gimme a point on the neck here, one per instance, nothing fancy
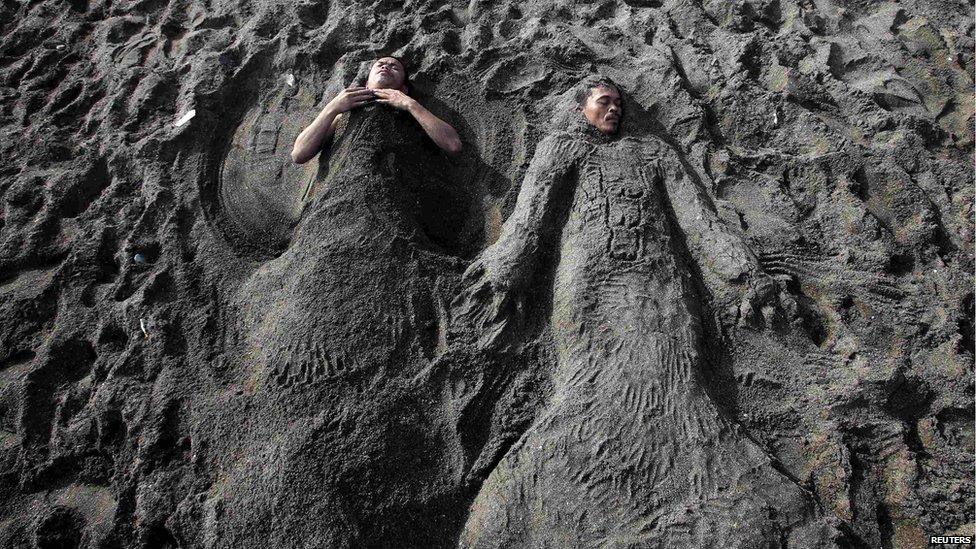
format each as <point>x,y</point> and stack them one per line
<point>590,132</point>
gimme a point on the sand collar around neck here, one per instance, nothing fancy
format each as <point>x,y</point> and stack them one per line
<point>581,126</point>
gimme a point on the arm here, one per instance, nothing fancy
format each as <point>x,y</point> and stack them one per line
<point>730,269</point>
<point>310,141</point>
<point>491,301</point>
<point>530,227</point>
<point>725,257</point>
<point>439,131</point>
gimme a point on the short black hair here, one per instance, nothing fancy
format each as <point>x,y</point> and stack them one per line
<point>588,84</point>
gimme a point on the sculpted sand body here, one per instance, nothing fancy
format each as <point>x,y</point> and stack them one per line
<point>630,451</point>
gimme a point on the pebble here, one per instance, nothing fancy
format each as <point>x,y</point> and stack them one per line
<point>139,259</point>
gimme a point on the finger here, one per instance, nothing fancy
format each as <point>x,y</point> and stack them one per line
<point>359,97</point>
<point>363,91</point>
<point>355,88</point>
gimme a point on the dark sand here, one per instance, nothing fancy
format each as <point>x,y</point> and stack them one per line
<point>204,345</point>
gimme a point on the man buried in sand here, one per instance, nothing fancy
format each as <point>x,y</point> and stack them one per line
<point>347,308</point>
<point>387,84</point>
<point>630,450</point>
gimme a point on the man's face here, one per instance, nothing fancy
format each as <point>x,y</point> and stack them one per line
<point>386,73</point>
<point>603,109</point>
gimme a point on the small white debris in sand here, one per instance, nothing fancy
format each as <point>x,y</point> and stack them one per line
<point>142,326</point>
<point>185,118</point>
<point>290,80</point>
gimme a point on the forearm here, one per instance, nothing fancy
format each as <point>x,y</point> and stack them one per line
<point>513,256</point>
<point>441,132</point>
<point>309,142</point>
<point>730,257</point>
<point>532,228</point>
<point>495,284</point>
<point>724,253</point>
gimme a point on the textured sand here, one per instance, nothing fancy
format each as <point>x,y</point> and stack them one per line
<point>156,401</point>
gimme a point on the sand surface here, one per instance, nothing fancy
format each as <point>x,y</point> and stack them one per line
<point>203,344</point>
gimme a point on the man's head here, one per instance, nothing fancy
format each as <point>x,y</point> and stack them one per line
<point>388,73</point>
<point>600,102</point>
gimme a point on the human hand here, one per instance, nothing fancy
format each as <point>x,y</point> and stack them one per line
<point>761,304</point>
<point>486,305</point>
<point>394,98</point>
<point>350,98</point>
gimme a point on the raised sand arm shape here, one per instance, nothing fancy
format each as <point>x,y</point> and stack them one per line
<point>730,269</point>
<point>491,301</point>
